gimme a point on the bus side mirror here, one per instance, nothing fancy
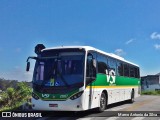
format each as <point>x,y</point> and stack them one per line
<point>28,66</point>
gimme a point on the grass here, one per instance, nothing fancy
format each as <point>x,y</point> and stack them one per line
<point>150,93</point>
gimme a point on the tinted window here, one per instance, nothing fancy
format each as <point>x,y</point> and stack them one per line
<point>137,72</point>
<point>89,63</point>
<point>112,64</point>
<point>132,71</point>
<point>91,55</point>
<point>119,68</point>
<point>102,64</point>
<point>126,70</point>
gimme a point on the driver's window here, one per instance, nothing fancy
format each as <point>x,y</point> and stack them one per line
<point>89,64</point>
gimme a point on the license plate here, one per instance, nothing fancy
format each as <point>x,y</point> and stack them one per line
<point>53,105</point>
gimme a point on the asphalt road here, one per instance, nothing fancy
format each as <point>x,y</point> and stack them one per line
<point>144,108</point>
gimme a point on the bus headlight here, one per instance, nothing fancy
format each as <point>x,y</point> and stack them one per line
<point>77,95</point>
<point>35,96</point>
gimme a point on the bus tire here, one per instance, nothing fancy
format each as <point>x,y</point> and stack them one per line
<point>132,97</point>
<point>102,102</point>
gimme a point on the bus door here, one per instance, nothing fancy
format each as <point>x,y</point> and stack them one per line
<point>90,78</point>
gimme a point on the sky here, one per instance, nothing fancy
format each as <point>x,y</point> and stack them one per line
<point>130,29</point>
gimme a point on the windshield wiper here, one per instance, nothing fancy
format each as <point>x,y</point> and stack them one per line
<point>57,72</point>
<point>64,81</point>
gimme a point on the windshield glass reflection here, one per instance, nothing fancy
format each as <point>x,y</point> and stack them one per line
<point>63,70</point>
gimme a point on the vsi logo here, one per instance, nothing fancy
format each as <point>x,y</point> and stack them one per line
<point>45,95</point>
<point>110,74</point>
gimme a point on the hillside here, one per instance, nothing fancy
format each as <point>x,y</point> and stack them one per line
<point>4,84</point>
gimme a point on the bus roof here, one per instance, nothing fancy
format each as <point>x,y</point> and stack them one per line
<point>94,49</point>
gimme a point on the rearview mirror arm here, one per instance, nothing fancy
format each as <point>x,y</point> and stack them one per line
<point>31,58</point>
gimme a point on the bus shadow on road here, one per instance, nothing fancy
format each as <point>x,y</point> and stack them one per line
<point>118,104</point>
<point>89,113</point>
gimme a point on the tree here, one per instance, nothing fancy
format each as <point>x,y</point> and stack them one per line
<point>15,96</point>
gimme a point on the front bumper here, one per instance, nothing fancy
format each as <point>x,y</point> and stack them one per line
<point>67,105</point>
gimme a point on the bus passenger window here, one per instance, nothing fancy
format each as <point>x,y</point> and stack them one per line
<point>102,64</point>
<point>126,70</point>
<point>119,68</point>
<point>131,71</point>
<point>112,64</point>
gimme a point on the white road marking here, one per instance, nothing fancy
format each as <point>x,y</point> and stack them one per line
<point>138,118</point>
<point>117,108</point>
<point>112,118</point>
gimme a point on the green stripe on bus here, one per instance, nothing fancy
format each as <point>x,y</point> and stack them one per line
<point>101,80</point>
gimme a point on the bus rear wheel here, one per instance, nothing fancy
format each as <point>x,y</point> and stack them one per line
<point>103,102</point>
<point>132,97</point>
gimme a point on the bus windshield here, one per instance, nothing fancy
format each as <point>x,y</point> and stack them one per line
<point>58,69</point>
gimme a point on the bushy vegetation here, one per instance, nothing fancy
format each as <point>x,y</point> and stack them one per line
<point>12,98</point>
<point>4,84</point>
<point>151,92</point>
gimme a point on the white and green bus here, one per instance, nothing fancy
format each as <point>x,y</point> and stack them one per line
<point>77,78</point>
